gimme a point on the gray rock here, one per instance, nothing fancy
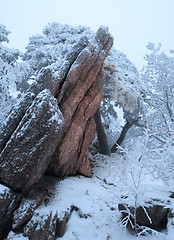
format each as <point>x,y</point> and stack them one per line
<point>152,216</point>
<point>28,205</point>
<point>8,203</point>
<point>44,80</point>
<point>10,124</point>
<point>27,154</point>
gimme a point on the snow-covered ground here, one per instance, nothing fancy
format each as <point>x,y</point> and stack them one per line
<point>97,199</point>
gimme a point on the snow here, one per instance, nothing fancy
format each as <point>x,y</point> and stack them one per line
<point>98,197</point>
<point>3,189</point>
<point>13,236</point>
<point>97,216</point>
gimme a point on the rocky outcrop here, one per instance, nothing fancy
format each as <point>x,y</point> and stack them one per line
<point>79,98</point>
<point>35,140</point>
<point>27,154</point>
<point>49,131</point>
<point>8,203</point>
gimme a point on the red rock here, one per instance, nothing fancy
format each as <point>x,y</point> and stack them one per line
<point>79,98</point>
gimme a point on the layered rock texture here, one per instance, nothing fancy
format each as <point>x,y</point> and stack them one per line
<point>49,131</point>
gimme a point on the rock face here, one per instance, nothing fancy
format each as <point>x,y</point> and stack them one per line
<point>8,127</point>
<point>8,203</point>
<point>80,96</point>
<point>27,154</point>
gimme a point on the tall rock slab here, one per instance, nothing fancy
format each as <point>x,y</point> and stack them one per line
<point>79,98</point>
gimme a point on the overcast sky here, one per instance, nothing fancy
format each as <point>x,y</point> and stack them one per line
<point>133,23</point>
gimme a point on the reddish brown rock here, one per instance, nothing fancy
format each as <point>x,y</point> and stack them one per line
<point>27,154</point>
<point>41,227</point>
<point>46,224</point>
<point>79,99</point>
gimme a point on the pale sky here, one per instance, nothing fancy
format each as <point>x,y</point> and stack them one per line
<point>133,23</point>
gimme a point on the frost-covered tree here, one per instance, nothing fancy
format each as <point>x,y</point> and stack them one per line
<point>158,76</point>
<point>158,79</point>
<point>12,73</point>
<point>122,92</point>
<point>53,44</point>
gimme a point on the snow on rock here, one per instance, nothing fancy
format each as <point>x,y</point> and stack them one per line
<point>27,206</point>
<point>13,236</point>
<point>27,154</point>
<point>8,202</point>
<point>8,126</point>
<point>44,80</point>
<point>41,226</point>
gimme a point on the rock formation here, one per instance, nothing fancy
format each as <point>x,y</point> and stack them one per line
<point>80,96</point>
<point>50,130</point>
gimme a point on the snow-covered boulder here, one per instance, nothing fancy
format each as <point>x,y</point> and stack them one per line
<point>154,216</point>
<point>28,153</point>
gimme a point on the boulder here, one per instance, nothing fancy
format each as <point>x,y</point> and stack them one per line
<point>44,80</point>
<point>8,203</point>
<point>32,200</point>
<point>80,96</point>
<point>46,224</point>
<point>16,114</point>
<point>41,227</point>
<point>27,154</point>
<point>152,216</point>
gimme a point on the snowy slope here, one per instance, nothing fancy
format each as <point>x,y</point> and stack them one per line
<point>96,199</point>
